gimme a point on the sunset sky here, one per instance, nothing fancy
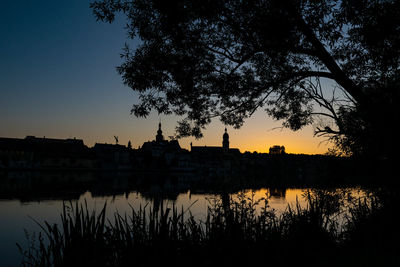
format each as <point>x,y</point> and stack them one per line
<point>58,79</point>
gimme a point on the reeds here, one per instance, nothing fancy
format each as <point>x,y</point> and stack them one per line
<point>233,233</point>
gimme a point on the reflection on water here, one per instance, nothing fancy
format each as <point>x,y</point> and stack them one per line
<point>40,196</point>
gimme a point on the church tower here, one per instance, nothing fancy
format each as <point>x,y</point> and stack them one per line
<point>159,136</point>
<point>225,140</point>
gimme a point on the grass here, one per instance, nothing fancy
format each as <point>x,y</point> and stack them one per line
<point>331,230</point>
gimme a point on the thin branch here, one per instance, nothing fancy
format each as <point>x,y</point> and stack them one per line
<point>223,54</point>
<point>323,114</point>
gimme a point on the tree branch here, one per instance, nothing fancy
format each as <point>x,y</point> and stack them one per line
<point>339,76</point>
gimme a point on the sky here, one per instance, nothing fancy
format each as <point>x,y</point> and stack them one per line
<point>58,79</point>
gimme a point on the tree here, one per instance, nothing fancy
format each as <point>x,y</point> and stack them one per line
<point>226,59</point>
<point>129,144</point>
<point>277,150</point>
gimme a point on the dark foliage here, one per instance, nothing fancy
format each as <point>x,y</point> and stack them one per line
<point>226,59</point>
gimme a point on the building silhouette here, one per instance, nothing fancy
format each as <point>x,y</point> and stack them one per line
<point>48,153</point>
<point>224,149</point>
<point>160,158</point>
<point>159,147</point>
<point>212,161</point>
<point>109,156</point>
<point>159,136</point>
<point>225,140</point>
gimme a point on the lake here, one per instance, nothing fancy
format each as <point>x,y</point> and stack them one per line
<point>29,197</point>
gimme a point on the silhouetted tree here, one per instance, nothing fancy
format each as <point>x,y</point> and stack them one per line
<point>129,144</point>
<point>279,150</point>
<point>226,59</point>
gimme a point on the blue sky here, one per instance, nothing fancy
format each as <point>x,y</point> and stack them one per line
<point>58,68</point>
<point>58,79</point>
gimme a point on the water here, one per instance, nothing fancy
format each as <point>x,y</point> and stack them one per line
<point>27,198</point>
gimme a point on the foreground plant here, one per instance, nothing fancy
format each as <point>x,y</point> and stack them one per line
<point>235,232</point>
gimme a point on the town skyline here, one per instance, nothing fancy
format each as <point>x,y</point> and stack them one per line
<point>59,80</point>
<point>215,139</point>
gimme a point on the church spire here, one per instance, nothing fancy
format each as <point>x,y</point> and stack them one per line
<point>225,140</point>
<point>159,136</point>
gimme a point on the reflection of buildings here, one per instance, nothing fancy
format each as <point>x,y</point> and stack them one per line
<point>45,185</point>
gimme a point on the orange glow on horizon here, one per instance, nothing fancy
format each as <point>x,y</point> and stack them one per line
<point>258,133</point>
